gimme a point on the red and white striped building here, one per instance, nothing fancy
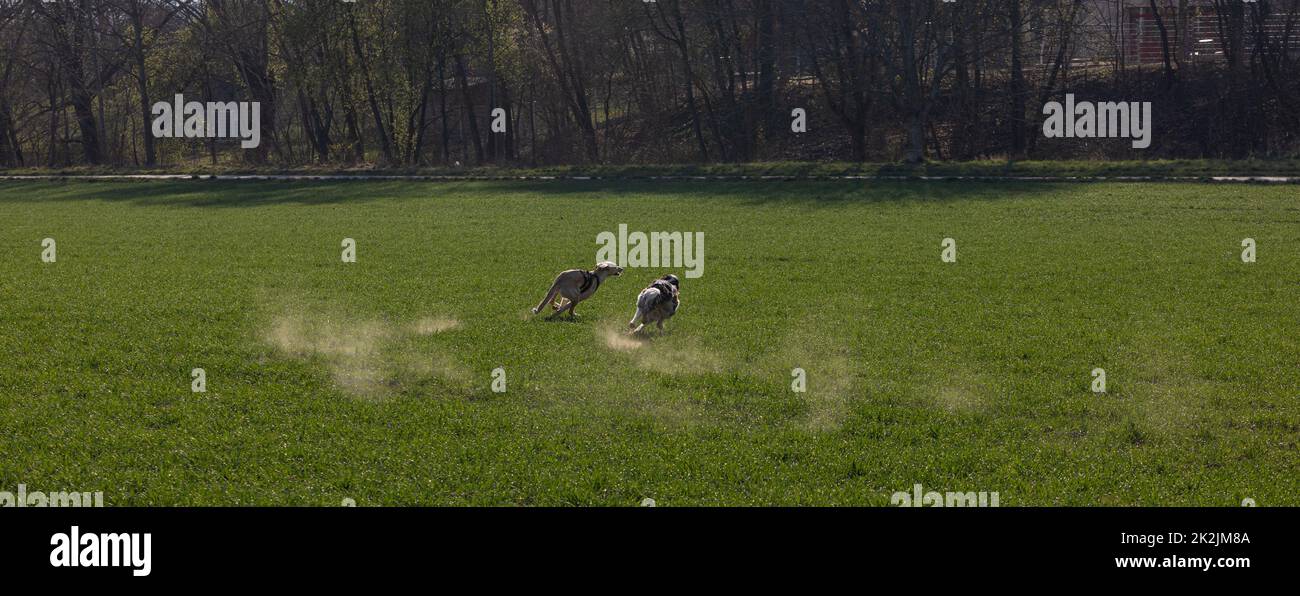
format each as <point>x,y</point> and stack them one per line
<point>1128,30</point>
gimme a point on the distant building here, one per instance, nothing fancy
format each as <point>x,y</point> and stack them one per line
<point>1129,30</point>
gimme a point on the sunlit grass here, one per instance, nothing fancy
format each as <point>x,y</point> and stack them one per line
<point>371,380</point>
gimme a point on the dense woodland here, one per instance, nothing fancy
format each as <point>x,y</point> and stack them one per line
<point>408,83</point>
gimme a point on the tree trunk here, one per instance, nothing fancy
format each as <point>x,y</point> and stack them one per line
<point>766,91</point>
<point>468,99</point>
<point>1016,111</point>
<point>385,146</point>
<point>442,108</point>
<point>1164,44</point>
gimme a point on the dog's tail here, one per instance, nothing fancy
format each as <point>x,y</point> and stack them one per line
<point>550,295</point>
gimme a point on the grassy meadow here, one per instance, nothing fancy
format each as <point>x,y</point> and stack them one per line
<point>372,380</point>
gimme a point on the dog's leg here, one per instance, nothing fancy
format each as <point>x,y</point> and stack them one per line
<point>635,318</point>
<point>568,307</point>
<point>550,294</point>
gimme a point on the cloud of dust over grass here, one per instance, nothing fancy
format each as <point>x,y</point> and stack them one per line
<point>620,341</point>
<point>959,398</point>
<point>686,359</point>
<point>1159,390</point>
<point>831,374</point>
<point>432,325</point>
<point>958,390</point>
<point>661,353</point>
<point>360,352</point>
<point>350,349</point>
<point>439,363</point>
<point>830,392</point>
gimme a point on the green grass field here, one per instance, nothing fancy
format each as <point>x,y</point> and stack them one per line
<point>371,381</point>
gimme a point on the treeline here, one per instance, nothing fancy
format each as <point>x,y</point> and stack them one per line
<point>399,83</point>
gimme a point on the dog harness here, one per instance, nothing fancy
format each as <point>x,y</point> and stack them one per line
<point>588,278</point>
<point>664,288</point>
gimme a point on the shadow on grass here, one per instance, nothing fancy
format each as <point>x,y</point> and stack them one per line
<point>778,192</point>
<point>561,319</point>
<point>234,193</point>
<point>189,193</point>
